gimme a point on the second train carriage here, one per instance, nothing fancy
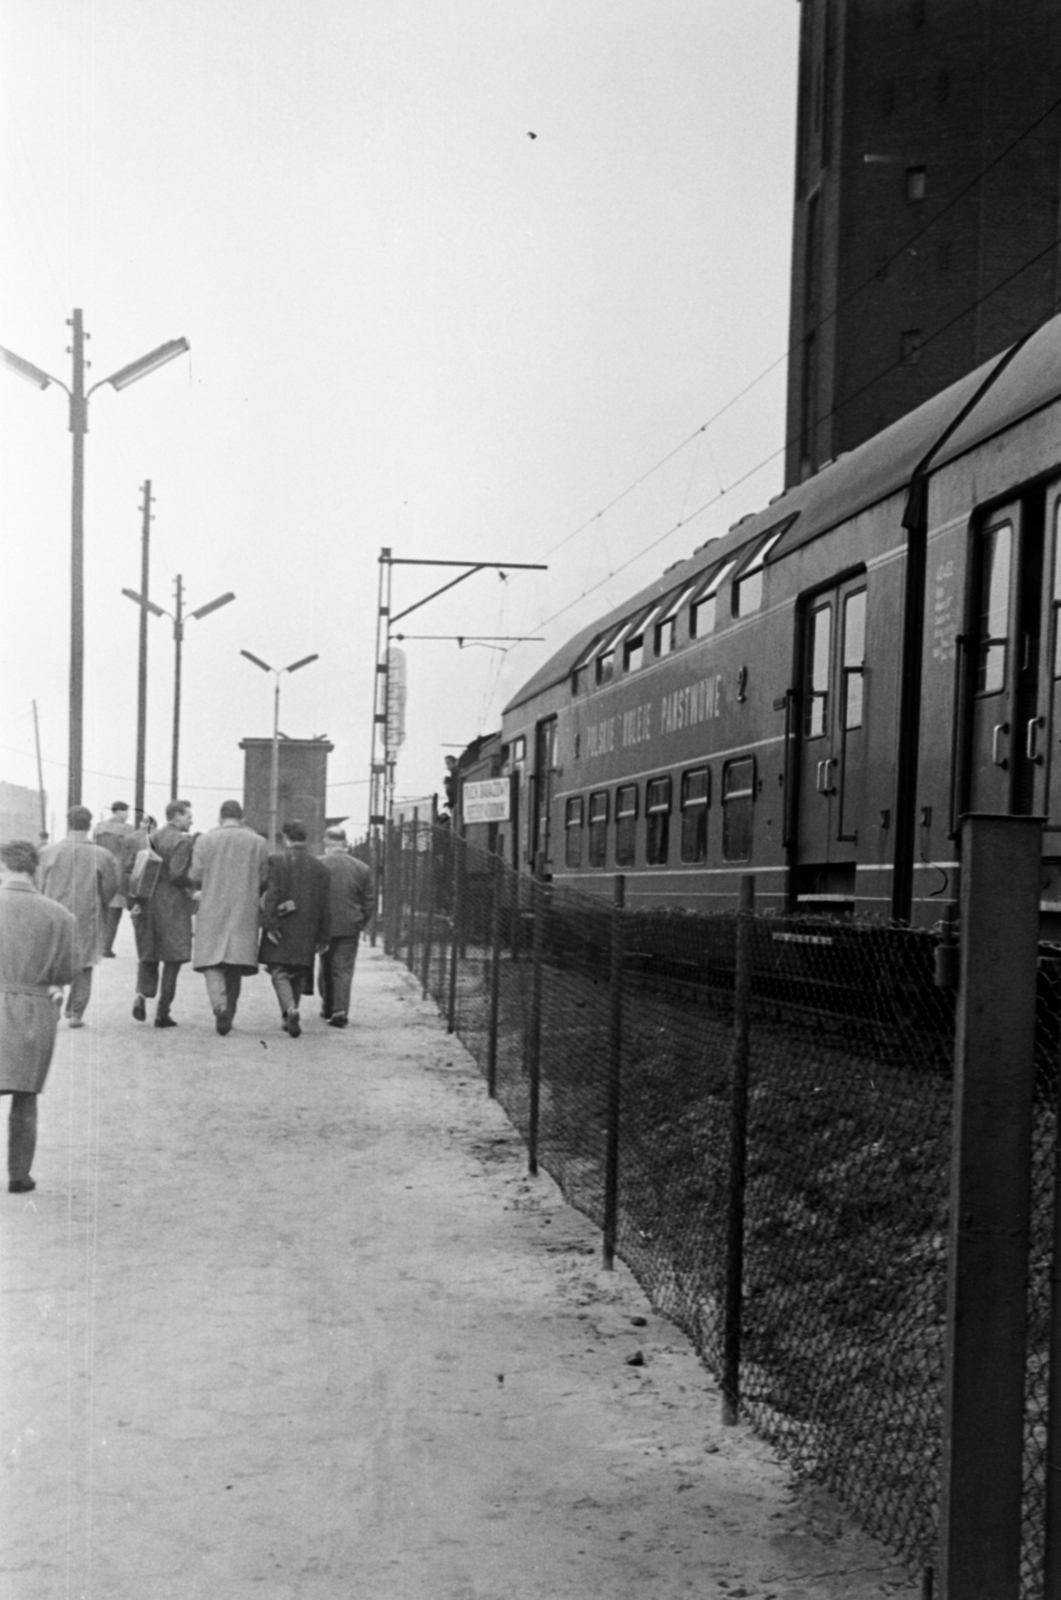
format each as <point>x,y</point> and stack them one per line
<point>819,695</point>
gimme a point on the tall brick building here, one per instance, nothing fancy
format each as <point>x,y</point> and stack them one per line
<point>927,207</point>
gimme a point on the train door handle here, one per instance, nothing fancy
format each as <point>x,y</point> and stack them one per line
<point>1000,732</point>
<point>1032,745</point>
<point>823,785</point>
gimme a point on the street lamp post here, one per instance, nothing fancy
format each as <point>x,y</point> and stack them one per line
<point>274,770</point>
<point>79,398</point>
<point>177,618</point>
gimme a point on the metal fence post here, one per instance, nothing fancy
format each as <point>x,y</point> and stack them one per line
<point>414,858</point>
<point>455,931</point>
<point>615,1070</point>
<point>1052,1543</point>
<point>738,1150</point>
<point>986,1327</point>
<point>534,1023</point>
<point>429,910</point>
<point>495,973</point>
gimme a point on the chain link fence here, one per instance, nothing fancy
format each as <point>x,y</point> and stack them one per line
<point>804,1090</point>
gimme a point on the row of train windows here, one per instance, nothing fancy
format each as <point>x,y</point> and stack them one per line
<point>589,818</point>
<point>653,632</point>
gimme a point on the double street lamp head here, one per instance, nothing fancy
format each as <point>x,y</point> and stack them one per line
<point>258,662</point>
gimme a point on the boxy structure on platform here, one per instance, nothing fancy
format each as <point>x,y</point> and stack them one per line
<point>302,786</point>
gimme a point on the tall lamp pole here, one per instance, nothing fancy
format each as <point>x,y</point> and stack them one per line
<point>177,618</point>
<point>79,398</point>
<point>274,770</point>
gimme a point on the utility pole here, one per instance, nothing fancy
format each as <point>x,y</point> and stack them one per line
<point>141,686</point>
<point>384,755</point>
<point>40,775</point>
<point>178,642</point>
<point>78,427</point>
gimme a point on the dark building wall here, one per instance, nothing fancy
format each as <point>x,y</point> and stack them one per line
<point>912,268</point>
<point>301,790</point>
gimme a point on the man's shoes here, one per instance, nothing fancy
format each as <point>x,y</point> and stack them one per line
<point>326,1015</point>
<point>293,1024</point>
<point>77,1022</point>
<point>110,954</point>
<point>140,1009</point>
<point>338,1021</point>
<point>165,1021</point>
<point>20,1186</point>
<point>222,1020</point>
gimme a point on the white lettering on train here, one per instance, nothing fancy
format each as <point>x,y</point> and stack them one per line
<point>600,738</point>
<point>637,726</point>
<point>697,702</point>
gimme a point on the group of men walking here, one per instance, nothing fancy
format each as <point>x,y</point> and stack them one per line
<point>218,899</point>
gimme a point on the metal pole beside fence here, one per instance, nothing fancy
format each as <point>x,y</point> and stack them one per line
<point>429,911</point>
<point>738,1151</point>
<point>414,858</point>
<point>496,879</point>
<point>1052,1541</point>
<point>987,1273</point>
<point>455,931</point>
<point>615,1072</point>
<point>534,1022</point>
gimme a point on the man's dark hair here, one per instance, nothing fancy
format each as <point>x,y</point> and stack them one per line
<point>295,831</point>
<point>232,808</point>
<point>175,807</point>
<point>19,855</point>
<point>79,819</point>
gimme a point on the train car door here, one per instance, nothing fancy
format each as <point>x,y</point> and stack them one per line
<point>544,779</point>
<point>832,713</point>
<point>1043,737</point>
<point>1005,663</point>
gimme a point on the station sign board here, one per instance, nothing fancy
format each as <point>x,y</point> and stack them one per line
<point>486,801</point>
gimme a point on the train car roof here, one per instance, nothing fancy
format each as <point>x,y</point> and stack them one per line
<point>851,484</point>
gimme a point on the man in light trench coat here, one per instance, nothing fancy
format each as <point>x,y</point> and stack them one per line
<point>37,957</point>
<point>83,877</point>
<point>230,865</point>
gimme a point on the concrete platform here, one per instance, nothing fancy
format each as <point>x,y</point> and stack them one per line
<point>287,1319</point>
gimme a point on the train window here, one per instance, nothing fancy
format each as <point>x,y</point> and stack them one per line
<point>598,829</point>
<point>695,799</point>
<point>580,680</point>
<point>667,626</point>
<point>626,825</point>
<point>748,589</point>
<point>605,667</point>
<point>818,657</point>
<point>634,652</point>
<point>995,553</point>
<point>519,749</point>
<point>573,832</point>
<point>854,657</point>
<point>738,798</point>
<point>702,610</point>
<point>657,813</point>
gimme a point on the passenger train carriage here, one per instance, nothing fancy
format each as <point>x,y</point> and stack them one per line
<point>818,696</point>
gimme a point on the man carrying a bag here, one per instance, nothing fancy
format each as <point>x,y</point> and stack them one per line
<point>163,920</point>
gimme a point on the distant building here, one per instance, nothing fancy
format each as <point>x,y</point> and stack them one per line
<point>20,812</point>
<point>301,790</point>
<point>928,192</point>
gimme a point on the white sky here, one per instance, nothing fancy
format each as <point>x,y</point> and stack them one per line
<point>411,325</point>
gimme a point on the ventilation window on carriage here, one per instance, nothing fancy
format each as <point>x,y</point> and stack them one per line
<point>626,825</point>
<point>667,626</point>
<point>818,658</point>
<point>657,814</point>
<point>995,556</point>
<point>605,667</point>
<point>573,832</point>
<point>738,800</point>
<point>598,829</point>
<point>695,799</point>
<point>854,658</point>
<point>634,652</point>
<point>702,610</point>
<point>748,589</point>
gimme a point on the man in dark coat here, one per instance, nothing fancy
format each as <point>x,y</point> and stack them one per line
<point>112,835</point>
<point>37,957</point>
<point>351,905</point>
<point>163,923</point>
<point>83,877</point>
<point>295,922</point>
